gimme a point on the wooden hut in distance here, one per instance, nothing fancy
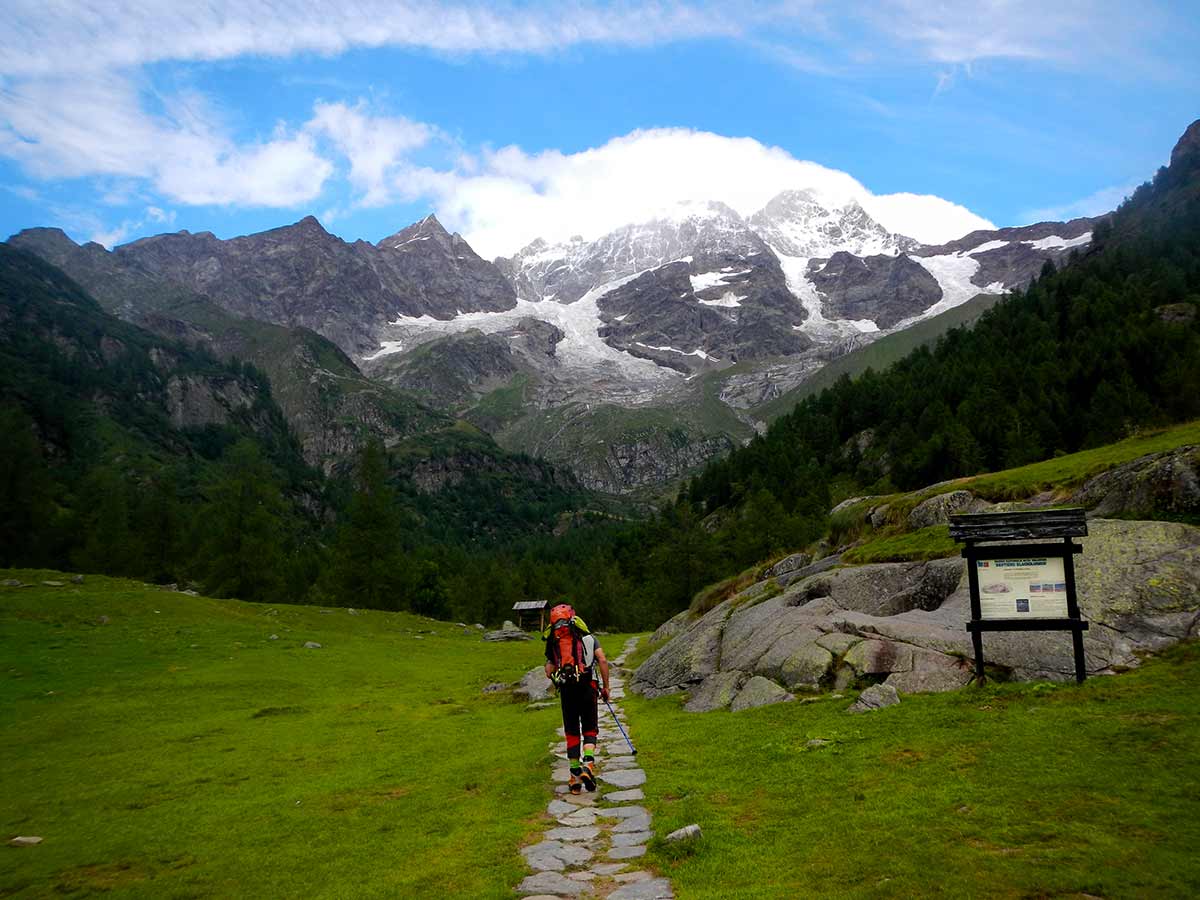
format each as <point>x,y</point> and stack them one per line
<point>528,607</point>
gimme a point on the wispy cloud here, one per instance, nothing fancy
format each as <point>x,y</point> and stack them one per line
<point>51,38</point>
<point>1095,204</point>
<point>61,128</point>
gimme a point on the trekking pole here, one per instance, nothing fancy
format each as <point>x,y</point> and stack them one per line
<point>632,749</point>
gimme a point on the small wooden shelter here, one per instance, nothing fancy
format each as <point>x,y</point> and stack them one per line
<point>528,606</point>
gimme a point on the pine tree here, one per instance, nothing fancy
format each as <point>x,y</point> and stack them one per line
<point>24,490</point>
<point>367,567</point>
<point>243,530</point>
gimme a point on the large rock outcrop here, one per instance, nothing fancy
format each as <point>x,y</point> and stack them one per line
<point>903,624</point>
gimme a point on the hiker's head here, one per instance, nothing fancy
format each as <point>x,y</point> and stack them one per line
<point>561,615</point>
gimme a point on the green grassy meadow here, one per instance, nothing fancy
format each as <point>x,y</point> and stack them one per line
<point>1009,790</point>
<point>176,751</point>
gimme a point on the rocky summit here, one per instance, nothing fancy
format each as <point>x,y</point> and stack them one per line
<point>657,342</point>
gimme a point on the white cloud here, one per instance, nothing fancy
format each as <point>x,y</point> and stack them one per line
<point>376,146</point>
<point>65,128</point>
<point>516,197</point>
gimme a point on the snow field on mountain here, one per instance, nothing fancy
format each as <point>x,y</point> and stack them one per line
<point>1054,242</point>
<point>816,325</point>
<point>581,346</point>
<point>706,280</point>
<point>953,273</point>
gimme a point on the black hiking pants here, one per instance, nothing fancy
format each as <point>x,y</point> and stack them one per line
<point>578,699</point>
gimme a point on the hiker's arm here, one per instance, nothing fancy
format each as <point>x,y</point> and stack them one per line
<point>550,670</point>
<point>602,663</point>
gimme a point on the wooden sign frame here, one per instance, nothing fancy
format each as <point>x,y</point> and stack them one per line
<point>979,532</point>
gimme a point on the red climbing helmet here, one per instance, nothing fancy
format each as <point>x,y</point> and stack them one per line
<point>561,613</point>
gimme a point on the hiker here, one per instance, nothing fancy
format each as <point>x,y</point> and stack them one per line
<point>571,654</point>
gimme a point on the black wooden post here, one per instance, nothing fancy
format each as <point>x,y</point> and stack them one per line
<point>976,614</point>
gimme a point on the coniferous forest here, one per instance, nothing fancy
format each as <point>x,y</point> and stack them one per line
<point>101,471</point>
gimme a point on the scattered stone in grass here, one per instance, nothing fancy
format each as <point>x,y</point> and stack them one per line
<point>417,637</point>
<point>353,612</point>
<point>686,833</point>
<point>77,579</point>
<point>273,637</point>
<point>543,704</point>
<point>102,620</point>
<point>25,840</point>
<point>54,583</point>
<point>817,742</point>
<point>495,687</point>
<point>311,645</point>
<point>478,626</point>
<point>11,582</point>
<point>877,696</point>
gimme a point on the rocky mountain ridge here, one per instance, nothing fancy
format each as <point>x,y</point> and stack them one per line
<point>630,319</point>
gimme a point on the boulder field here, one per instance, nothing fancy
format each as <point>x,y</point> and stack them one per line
<point>904,624</point>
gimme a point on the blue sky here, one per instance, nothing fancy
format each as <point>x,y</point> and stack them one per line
<point>512,121</point>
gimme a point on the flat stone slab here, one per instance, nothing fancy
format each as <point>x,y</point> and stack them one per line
<point>607,869</point>
<point>617,763</point>
<point>633,823</point>
<point>573,833</point>
<point>652,889</point>
<point>624,778</point>
<point>622,812</point>
<point>630,877</point>
<point>624,796</point>
<point>582,876</point>
<point>627,852</point>
<point>551,884</point>
<point>554,856</point>
<point>631,838</point>
<point>580,815</point>
<point>560,808</point>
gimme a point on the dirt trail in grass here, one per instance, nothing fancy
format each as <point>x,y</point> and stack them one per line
<point>597,838</point>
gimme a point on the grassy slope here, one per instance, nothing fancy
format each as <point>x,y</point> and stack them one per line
<point>879,355</point>
<point>1022,790</point>
<point>176,751</point>
<point>1061,475</point>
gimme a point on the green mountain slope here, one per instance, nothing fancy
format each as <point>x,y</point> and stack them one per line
<point>1083,356</point>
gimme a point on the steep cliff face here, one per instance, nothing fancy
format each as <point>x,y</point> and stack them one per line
<point>76,366</point>
<point>301,275</point>
<point>329,404</point>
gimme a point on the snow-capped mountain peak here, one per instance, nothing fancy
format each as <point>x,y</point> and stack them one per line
<point>796,223</point>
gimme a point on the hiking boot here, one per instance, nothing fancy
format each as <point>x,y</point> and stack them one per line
<point>589,776</point>
<point>575,784</point>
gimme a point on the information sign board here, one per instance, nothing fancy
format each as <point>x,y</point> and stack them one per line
<point>1018,588</point>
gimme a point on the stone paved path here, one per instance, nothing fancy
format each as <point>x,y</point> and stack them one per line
<point>593,847</point>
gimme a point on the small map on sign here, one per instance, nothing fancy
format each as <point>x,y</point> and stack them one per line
<point>1018,588</point>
